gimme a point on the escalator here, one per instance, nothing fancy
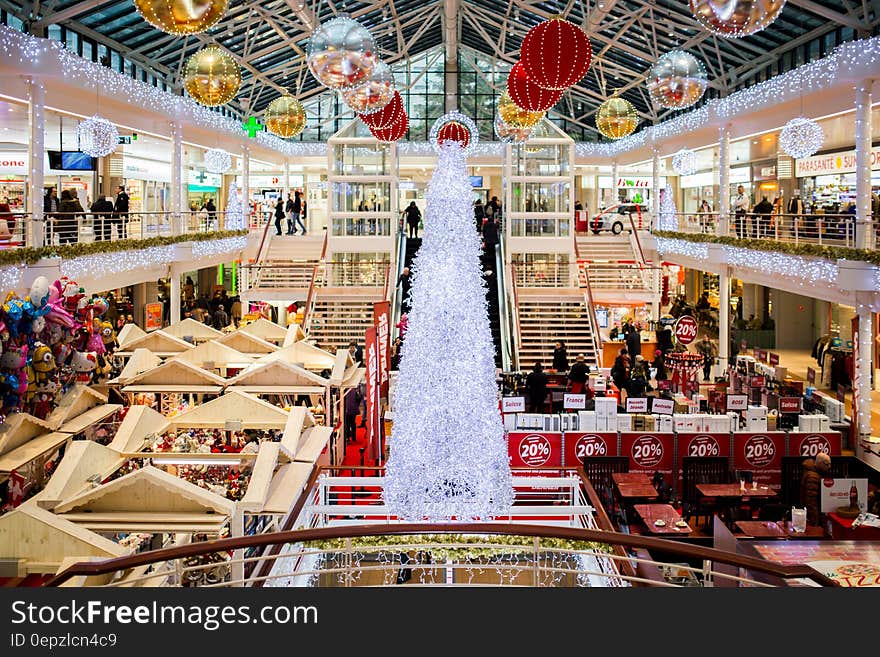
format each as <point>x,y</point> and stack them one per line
<point>488,262</point>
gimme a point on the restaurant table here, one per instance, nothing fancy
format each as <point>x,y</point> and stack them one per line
<point>770,529</point>
<point>734,491</point>
<point>841,529</point>
<point>630,478</point>
<point>653,512</point>
<point>637,491</point>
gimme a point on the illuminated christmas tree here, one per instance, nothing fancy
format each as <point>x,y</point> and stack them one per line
<point>234,212</point>
<point>668,219</point>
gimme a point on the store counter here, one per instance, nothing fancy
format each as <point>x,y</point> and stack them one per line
<point>611,348</point>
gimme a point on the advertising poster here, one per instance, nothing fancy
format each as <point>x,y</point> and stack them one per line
<point>701,445</point>
<point>381,321</point>
<point>649,452</point>
<point>583,444</point>
<point>152,316</point>
<point>761,453</point>
<point>371,362</point>
<point>534,449</point>
<point>808,444</point>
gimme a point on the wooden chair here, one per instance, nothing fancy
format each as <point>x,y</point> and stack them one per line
<point>702,470</point>
<point>599,470</point>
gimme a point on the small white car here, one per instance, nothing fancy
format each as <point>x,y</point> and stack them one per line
<point>615,217</point>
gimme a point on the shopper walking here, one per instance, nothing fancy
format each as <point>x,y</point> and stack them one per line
<point>413,216</point>
<point>479,214</point>
<point>707,350</point>
<point>761,217</point>
<point>293,218</point>
<point>279,215</point>
<point>578,374</point>
<point>404,282</point>
<point>120,212</point>
<point>69,211</point>
<point>638,378</point>
<point>352,407</point>
<point>102,214</point>
<point>220,318</point>
<point>795,212</point>
<point>490,234</point>
<point>560,357</point>
<point>536,388</point>
<point>633,341</point>
<point>620,369</point>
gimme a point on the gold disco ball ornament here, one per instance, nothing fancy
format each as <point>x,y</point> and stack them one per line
<point>617,118</point>
<point>515,116</point>
<point>373,94</point>
<point>677,80</point>
<point>285,116</point>
<point>181,16</point>
<point>211,76</point>
<point>342,53</point>
<point>510,135</point>
<point>736,18</point>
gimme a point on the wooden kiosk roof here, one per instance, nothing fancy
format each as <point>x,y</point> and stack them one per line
<point>20,428</point>
<point>246,343</point>
<point>176,376</point>
<point>312,443</point>
<point>278,377</point>
<point>35,447</point>
<point>189,327</point>
<point>295,333</point>
<point>253,412</point>
<point>159,342</point>
<point>303,354</point>
<point>341,365</point>
<point>138,423</point>
<point>83,459</point>
<point>265,330</point>
<point>270,454</point>
<point>299,419</point>
<point>141,360</point>
<point>215,354</point>
<point>128,334</point>
<point>75,402</point>
<point>287,485</point>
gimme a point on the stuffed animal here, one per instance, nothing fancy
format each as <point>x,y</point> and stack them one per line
<point>84,363</point>
<point>14,375</point>
<point>41,367</point>
<point>108,335</point>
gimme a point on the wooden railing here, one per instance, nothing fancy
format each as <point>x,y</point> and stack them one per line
<point>310,299</point>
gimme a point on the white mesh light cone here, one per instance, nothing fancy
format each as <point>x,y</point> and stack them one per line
<point>448,451</point>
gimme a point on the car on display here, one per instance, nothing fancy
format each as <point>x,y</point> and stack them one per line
<point>614,217</point>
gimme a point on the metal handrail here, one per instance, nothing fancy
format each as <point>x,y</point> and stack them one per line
<point>397,297</point>
<point>595,336</point>
<point>504,318</point>
<point>312,297</point>
<point>517,327</point>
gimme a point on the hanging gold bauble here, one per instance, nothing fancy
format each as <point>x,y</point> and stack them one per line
<point>514,116</point>
<point>617,118</point>
<point>285,116</point>
<point>181,16</point>
<point>211,76</point>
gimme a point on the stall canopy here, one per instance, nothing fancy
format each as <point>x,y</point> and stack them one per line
<point>190,328</point>
<point>295,333</point>
<point>158,342</point>
<point>299,419</point>
<point>42,540</point>
<point>177,376</point>
<point>278,377</point>
<point>128,334</point>
<point>141,360</point>
<point>341,365</point>
<point>287,485</point>
<point>138,424</point>
<point>85,463</point>
<point>32,449</point>
<point>19,429</point>
<point>313,441</point>
<point>253,412</point>
<point>76,401</point>
<point>264,467</point>
<point>247,344</point>
<point>265,330</point>
<point>303,354</point>
<point>148,500</point>
<point>215,355</point>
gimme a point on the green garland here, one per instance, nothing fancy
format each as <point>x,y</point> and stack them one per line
<point>809,250</point>
<point>467,541</point>
<point>30,255</point>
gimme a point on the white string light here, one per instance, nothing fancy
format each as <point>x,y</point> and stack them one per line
<point>801,137</point>
<point>97,136</point>
<point>455,117</point>
<point>207,248</point>
<point>217,160</point>
<point>684,162</point>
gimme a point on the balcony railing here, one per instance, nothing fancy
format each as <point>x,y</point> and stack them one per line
<point>542,274</point>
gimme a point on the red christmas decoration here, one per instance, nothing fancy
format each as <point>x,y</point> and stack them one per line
<point>387,116</point>
<point>556,54</point>
<point>454,131</point>
<point>392,133</point>
<point>527,95</point>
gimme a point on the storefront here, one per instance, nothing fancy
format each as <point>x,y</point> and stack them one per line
<point>703,186</point>
<point>204,185</point>
<point>764,181</point>
<point>630,189</point>
<point>148,183</point>
<point>14,166</point>
<point>828,182</point>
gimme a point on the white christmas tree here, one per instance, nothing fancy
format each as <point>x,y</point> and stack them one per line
<point>668,219</point>
<point>234,212</point>
<point>448,451</point>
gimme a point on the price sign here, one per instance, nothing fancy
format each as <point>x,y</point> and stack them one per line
<point>761,453</point>
<point>572,401</point>
<point>810,444</point>
<point>737,402</point>
<point>757,381</point>
<point>663,406</point>
<point>811,376</point>
<point>648,452</point>
<point>636,404</point>
<point>513,404</point>
<point>701,445</point>
<point>685,329</point>
<point>534,449</point>
<point>774,358</point>
<point>579,446</point>
<point>761,355</point>
<point>790,404</point>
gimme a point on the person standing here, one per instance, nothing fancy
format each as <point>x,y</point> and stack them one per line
<point>490,235</point>
<point>578,374</point>
<point>740,208</point>
<point>795,210</point>
<point>404,282</point>
<point>294,217</point>
<point>288,209</point>
<point>120,212</point>
<point>707,350</point>
<point>211,209</point>
<point>620,370</point>
<point>69,212</point>
<point>495,204</point>
<point>51,207</point>
<point>761,213</point>
<point>220,319</point>
<point>413,217</point>
<point>356,353</point>
<point>102,213</point>
<point>279,215</point>
<point>536,387</point>
<point>352,407</point>
<point>560,357</point>
<point>479,214</point>
<point>633,341</point>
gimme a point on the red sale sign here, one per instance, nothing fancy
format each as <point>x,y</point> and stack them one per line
<point>701,445</point>
<point>685,329</point>
<point>761,453</point>
<point>381,317</point>
<point>810,444</point>
<point>648,452</point>
<point>534,449</point>
<point>581,445</point>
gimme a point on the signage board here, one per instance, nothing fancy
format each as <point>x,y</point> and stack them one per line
<point>534,449</point>
<point>737,402</point>
<point>662,406</point>
<point>513,404</point>
<point>580,445</point>
<point>636,404</point>
<point>574,401</point>
<point>762,454</point>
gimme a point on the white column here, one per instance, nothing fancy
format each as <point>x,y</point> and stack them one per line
<point>723,181</point>
<point>723,319</point>
<point>863,232</point>
<point>175,293</point>
<point>36,174</point>
<point>614,174</point>
<point>863,369</point>
<point>287,190</point>
<point>177,221</point>
<point>246,179</point>
<point>655,189</point>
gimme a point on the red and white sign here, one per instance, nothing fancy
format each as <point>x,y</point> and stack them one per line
<point>685,329</point>
<point>774,358</point>
<point>662,406</point>
<point>648,452</point>
<point>371,362</point>
<point>761,453</point>
<point>636,404</point>
<point>536,449</point>
<point>381,319</point>
<point>581,445</point>
<point>704,444</point>
<point>790,404</point>
<point>737,402</point>
<point>810,444</point>
<point>843,162</point>
<point>513,404</point>
<point>574,401</point>
<point>757,381</point>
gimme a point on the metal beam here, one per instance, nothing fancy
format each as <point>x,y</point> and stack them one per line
<point>71,12</point>
<point>830,14</point>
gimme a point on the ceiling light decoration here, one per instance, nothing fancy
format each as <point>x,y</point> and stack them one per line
<point>684,162</point>
<point>393,132</point>
<point>617,118</point>
<point>373,94</point>
<point>285,116</point>
<point>387,116</point>
<point>181,16</point>
<point>217,160</point>
<point>801,137</point>
<point>211,76</point>
<point>736,18</point>
<point>526,94</point>
<point>455,127</point>
<point>514,116</point>
<point>97,136</point>
<point>341,53</point>
<point>510,135</point>
<point>556,54</point>
<point>677,80</point>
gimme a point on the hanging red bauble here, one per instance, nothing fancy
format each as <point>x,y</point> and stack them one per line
<point>394,132</point>
<point>454,131</point>
<point>387,116</point>
<point>526,94</point>
<point>556,54</point>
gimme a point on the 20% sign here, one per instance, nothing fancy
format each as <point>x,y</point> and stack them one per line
<point>685,329</point>
<point>534,450</point>
<point>590,445</point>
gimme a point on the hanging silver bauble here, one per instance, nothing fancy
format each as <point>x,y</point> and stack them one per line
<point>508,134</point>
<point>677,80</point>
<point>736,18</point>
<point>97,136</point>
<point>217,160</point>
<point>341,53</point>
<point>684,162</point>
<point>801,137</point>
<point>373,94</point>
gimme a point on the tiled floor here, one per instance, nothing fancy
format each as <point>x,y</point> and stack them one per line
<point>849,563</point>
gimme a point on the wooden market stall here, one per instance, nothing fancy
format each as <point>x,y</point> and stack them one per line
<point>299,419</point>
<point>159,342</point>
<point>295,333</point>
<point>251,411</point>
<point>216,357</point>
<point>85,465</point>
<point>303,354</point>
<point>141,360</point>
<point>169,383</point>
<point>139,424</point>
<point>247,344</point>
<point>189,330</point>
<point>278,377</point>
<point>128,334</point>
<point>81,410</point>
<point>265,330</point>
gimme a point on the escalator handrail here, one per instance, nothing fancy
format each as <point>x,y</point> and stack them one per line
<point>504,317</point>
<point>396,292</point>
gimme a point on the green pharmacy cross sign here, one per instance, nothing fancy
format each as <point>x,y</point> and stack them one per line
<point>252,127</point>
<point>202,177</point>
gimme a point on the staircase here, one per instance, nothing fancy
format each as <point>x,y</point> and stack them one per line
<point>287,267</point>
<point>336,320</point>
<point>545,319</point>
<point>612,263</point>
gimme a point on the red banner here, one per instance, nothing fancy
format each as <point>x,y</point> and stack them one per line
<point>534,449</point>
<point>649,452</point>
<point>761,453</point>
<point>809,444</point>
<point>371,362</point>
<point>701,445</point>
<point>381,322</point>
<point>580,445</point>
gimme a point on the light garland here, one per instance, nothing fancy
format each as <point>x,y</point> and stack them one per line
<point>801,137</point>
<point>684,162</point>
<point>217,160</point>
<point>209,248</point>
<point>10,277</point>
<point>449,454</point>
<point>97,136</point>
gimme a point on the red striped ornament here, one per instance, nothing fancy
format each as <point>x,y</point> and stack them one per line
<point>527,95</point>
<point>454,131</point>
<point>393,132</point>
<point>556,54</point>
<point>387,116</point>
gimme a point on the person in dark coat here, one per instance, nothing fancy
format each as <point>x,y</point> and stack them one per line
<point>813,472</point>
<point>578,374</point>
<point>620,369</point>
<point>102,212</point>
<point>762,212</point>
<point>404,282</point>
<point>279,215</point>
<point>211,209</point>
<point>220,318</point>
<point>357,353</point>
<point>490,235</point>
<point>660,365</point>
<point>633,341</point>
<point>294,218</point>
<point>536,386</point>
<point>70,211</point>
<point>413,217</point>
<point>560,357</point>
<point>479,214</point>
<point>352,407</point>
<point>120,212</point>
